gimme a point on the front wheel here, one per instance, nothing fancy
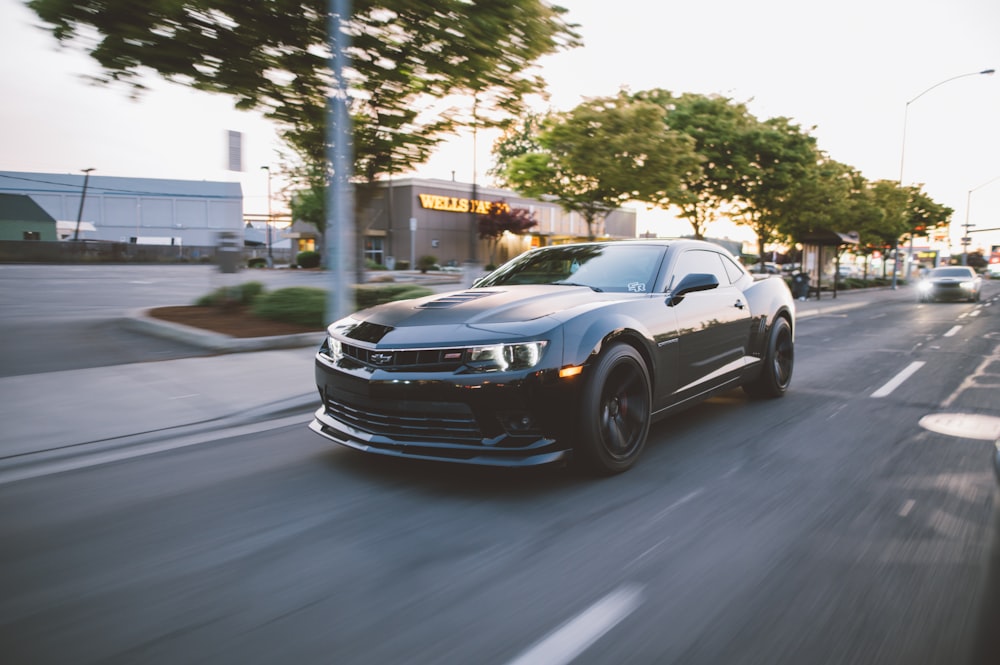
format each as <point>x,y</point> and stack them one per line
<point>615,411</point>
<point>779,358</point>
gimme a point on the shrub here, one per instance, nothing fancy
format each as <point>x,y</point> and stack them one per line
<point>232,296</point>
<point>369,296</point>
<point>427,262</point>
<point>307,259</point>
<point>371,265</point>
<point>303,305</point>
<point>257,262</point>
<point>402,264</point>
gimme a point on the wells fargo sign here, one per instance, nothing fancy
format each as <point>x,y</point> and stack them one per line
<point>453,204</point>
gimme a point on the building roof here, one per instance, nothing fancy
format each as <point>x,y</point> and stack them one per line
<point>22,208</point>
<point>72,183</point>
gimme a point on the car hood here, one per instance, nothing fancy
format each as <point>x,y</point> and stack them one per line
<point>474,315</point>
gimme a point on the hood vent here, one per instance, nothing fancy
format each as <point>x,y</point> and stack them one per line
<point>455,299</point>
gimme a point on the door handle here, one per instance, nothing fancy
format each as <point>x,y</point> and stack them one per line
<point>739,304</point>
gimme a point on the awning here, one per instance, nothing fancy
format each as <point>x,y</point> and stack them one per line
<point>63,228</point>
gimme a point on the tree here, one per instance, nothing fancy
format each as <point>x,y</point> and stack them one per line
<point>519,138</point>
<point>775,157</point>
<point>414,65</point>
<point>600,155</point>
<point>715,125</point>
<point>502,218</point>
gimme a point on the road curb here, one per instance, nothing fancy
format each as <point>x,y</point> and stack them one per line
<point>141,321</point>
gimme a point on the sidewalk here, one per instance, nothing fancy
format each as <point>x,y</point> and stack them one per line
<point>69,412</point>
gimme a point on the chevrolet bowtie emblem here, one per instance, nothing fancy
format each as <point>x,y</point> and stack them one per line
<point>381,358</point>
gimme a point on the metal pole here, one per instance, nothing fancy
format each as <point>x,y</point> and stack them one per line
<point>83,197</point>
<point>340,245</point>
<point>902,154</point>
<point>270,255</point>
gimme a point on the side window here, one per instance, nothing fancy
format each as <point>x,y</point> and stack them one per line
<point>700,261</point>
<point>734,270</point>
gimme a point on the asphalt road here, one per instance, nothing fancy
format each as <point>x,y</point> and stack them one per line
<point>62,317</point>
<point>825,527</point>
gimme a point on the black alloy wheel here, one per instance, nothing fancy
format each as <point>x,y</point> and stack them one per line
<point>615,411</point>
<point>778,362</point>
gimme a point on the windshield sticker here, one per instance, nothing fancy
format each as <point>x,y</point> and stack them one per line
<point>637,287</point>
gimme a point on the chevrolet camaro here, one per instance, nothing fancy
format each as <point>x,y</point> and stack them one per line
<point>566,353</point>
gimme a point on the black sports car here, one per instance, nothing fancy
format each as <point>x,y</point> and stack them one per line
<point>568,351</point>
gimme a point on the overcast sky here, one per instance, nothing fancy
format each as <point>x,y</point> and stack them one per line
<point>845,68</point>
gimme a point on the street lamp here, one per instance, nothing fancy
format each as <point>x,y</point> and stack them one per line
<point>967,226</point>
<point>270,256</point>
<point>83,197</point>
<point>902,156</point>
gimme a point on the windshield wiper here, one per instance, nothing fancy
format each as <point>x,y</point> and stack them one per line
<point>595,288</point>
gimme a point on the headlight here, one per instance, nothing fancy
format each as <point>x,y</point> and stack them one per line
<point>924,286</point>
<point>332,346</point>
<point>503,357</point>
<point>968,285</point>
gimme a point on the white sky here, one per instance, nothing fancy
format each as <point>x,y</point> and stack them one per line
<point>847,68</point>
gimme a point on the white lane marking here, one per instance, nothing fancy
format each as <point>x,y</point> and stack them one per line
<point>897,381</point>
<point>974,312</point>
<point>572,638</point>
<point>907,507</point>
<point>951,333</point>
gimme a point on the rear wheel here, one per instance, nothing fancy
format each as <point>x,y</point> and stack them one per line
<point>779,359</point>
<point>615,411</point>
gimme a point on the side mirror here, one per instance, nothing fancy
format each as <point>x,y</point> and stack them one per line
<point>696,281</point>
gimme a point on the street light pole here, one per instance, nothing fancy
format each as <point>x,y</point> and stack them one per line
<point>270,256</point>
<point>902,156</point>
<point>967,226</point>
<point>83,197</point>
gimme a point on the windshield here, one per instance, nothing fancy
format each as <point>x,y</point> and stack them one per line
<point>963,273</point>
<point>612,267</point>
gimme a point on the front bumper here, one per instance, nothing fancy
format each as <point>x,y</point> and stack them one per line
<point>494,419</point>
<point>949,291</point>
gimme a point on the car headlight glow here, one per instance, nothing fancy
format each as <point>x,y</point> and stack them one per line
<point>924,286</point>
<point>503,357</point>
<point>968,285</point>
<point>333,347</point>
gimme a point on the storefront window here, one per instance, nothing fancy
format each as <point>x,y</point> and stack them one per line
<point>374,250</point>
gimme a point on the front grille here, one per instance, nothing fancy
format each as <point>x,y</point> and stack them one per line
<point>434,360</point>
<point>445,422</point>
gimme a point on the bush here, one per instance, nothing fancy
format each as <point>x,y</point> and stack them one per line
<point>369,296</point>
<point>425,263</point>
<point>402,264</point>
<point>257,262</point>
<point>307,259</point>
<point>232,296</point>
<point>303,305</point>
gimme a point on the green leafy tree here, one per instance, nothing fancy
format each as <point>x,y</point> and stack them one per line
<point>519,138</point>
<point>600,155</point>
<point>775,157</point>
<point>408,59</point>
<point>501,219</point>
<point>716,125</point>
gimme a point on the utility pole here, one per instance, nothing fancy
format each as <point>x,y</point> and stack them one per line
<point>83,197</point>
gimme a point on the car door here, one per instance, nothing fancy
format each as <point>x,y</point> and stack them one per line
<point>713,325</point>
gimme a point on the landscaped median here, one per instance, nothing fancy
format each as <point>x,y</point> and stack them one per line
<point>246,317</point>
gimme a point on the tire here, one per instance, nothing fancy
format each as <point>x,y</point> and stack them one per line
<point>615,412</point>
<point>779,360</point>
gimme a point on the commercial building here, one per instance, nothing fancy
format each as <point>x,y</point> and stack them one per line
<point>134,210</point>
<point>411,218</point>
<point>405,220</point>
